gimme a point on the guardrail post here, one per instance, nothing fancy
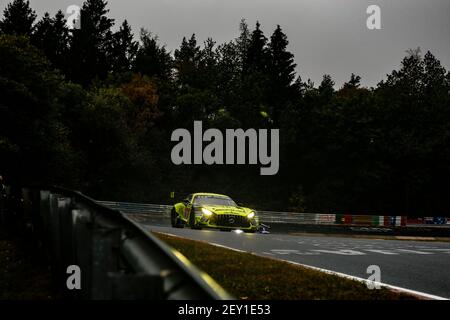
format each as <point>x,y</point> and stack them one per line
<point>82,241</point>
<point>105,260</point>
<point>65,230</point>
<point>55,237</point>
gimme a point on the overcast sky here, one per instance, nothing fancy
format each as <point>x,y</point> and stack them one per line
<point>326,36</point>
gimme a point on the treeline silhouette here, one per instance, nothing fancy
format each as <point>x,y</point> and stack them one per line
<point>93,109</point>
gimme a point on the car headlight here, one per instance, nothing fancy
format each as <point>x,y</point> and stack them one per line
<point>206,212</point>
<point>251,215</point>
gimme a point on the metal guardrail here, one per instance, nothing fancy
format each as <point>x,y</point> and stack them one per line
<point>139,208</point>
<point>118,259</point>
<point>163,212</point>
<point>295,217</point>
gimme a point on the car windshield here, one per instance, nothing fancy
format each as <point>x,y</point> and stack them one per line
<point>214,200</point>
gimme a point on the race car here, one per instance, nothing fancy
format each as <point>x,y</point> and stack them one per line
<point>210,210</point>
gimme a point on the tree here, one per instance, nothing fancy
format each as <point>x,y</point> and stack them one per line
<point>353,83</point>
<point>144,112</point>
<point>282,65</point>
<point>208,65</point>
<point>326,87</point>
<point>152,59</point>
<point>414,120</point>
<point>256,57</point>
<point>187,60</point>
<point>228,73</point>
<point>242,43</point>
<point>18,18</point>
<point>107,142</point>
<point>123,49</point>
<point>34,146</point>
<point>253,109</point>
<point>91,44</point>
<point>52,36</point>
<point>281,74</point>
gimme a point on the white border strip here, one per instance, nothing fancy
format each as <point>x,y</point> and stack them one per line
<point>211,243</point>
<point>339,274</point>
<point>343,275</point>
<point>222,246</point>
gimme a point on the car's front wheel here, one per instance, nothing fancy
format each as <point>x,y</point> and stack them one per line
<point>192,222</point>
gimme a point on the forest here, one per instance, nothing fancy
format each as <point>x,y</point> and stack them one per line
<point>93,109</point>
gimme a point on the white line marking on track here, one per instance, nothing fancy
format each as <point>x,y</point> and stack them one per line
<point>440,250</point>
<point>306,253</point>
<point>343,275</point>
<point>170,234</point>
<point>414,251</point>
<point>283,251</point>
<point>343,252</point>
<point>382,251</point>
<point>222,246</point>
<point>211,243</point>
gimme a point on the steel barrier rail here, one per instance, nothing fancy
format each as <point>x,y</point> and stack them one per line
<point>129,207</point>
<point>163,212</point>
<point>118,259</point>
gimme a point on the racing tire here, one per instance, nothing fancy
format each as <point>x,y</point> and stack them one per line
<point>175,220</point>
<point>192,223</point>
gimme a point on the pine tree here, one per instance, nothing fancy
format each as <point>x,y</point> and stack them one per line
<point>152,59</point>
<point>91,44</point>
<point>282,65</point>
<point>52,37</point>
<point>208,66</point>
<point>187,60</point>
<point>243,42</point>
<point>326,87</point>
<point>414,123</point>
<point>123,49</point>
<point>18,18</point>
<point>353,83</point>
<point>228,72</point>
<point>256,58</point>
<point>254,109</point>
<point>281,68</point>
<point>434,78</point>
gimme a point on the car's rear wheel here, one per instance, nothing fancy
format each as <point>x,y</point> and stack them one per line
<point>175,220</point>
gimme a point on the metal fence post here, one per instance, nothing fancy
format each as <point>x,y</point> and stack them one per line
<point>82,245</point>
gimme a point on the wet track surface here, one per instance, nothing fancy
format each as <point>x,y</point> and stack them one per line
<point>415,265</point>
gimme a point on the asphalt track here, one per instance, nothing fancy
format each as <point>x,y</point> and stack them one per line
<point>414,265</point>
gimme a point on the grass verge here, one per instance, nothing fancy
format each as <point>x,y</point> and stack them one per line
<point>247,276</point>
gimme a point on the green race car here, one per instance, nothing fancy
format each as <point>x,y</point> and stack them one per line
<point>210,210</point>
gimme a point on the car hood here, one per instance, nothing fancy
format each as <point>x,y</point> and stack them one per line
<point>227,209</point>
